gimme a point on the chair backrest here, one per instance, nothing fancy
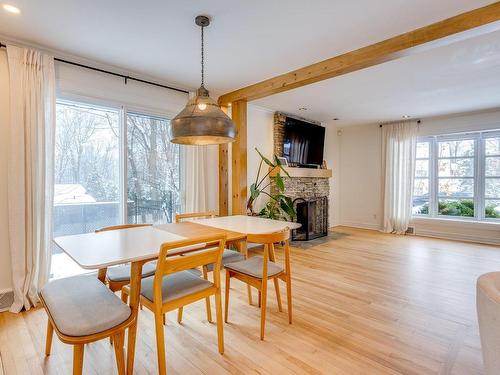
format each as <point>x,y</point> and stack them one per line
<point>211,252</point>
<point>195,215</point>
<point>121,226</point>
<point>268,240</point>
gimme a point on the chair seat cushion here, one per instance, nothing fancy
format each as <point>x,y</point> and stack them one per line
<point>253,267</point>
<point>228,256</point>
<point>82,305</point>
<point>176,285</point>
<point>195,271</point>
<point>122,273</point>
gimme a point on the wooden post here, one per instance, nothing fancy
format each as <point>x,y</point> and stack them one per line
<point>223,180</point>
<point>223,176</point>
<point>239,158</point>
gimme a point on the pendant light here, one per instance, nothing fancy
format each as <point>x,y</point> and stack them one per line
<point>202,122</point>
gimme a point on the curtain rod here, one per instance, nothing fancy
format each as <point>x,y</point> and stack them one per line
<point>418,122</point>
<point>125,77</point>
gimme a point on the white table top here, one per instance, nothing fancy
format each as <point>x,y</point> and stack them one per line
<point>247,224</point>
<point>109,248</point>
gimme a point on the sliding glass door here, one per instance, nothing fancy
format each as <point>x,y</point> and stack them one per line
<point>87,168</point>
<point>152,170</point>
<point>111,167</point>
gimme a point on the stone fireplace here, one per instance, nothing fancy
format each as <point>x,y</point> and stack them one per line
<point>304,184</point>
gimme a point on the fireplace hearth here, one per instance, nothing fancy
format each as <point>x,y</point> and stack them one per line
<point>312,213</point>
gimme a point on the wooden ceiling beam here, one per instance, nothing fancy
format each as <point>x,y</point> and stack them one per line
<point>463,26</point>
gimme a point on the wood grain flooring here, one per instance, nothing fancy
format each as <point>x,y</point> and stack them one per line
<point>367,303</point>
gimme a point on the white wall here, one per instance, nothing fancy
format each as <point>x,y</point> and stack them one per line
<point>78,83</point>
<point>360,176</point>
<point>5,273</point>
<point>332,156</point>
<point>259,135</point>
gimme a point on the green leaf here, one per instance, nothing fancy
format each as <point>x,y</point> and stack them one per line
<point>280,165</point>
<point>266,160</point>
<point>279,182</point>
<point>254,192</point>
<point>287,206</point>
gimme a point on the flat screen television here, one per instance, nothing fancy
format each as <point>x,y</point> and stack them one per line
<point>303,143</point>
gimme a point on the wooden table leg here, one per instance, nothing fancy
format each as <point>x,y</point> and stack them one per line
<point>135,291</point>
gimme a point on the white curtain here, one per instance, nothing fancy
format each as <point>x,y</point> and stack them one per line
<point>399,147</point>
<point>30,171</point>
<point>195,178</point>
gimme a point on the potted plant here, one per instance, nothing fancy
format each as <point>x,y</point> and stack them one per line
<point>279,206</point>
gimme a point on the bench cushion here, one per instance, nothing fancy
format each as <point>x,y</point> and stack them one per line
<point>122,273</point>
<point>82,305</point>
<point>253,267</point>
<point>175,286</point>
<point>228,256</point>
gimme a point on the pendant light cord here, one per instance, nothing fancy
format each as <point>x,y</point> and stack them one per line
<point>202,56</point>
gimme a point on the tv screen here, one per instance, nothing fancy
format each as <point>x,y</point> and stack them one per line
<point>303,142</point>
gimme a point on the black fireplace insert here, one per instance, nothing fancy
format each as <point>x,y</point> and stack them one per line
<point>312,213</point>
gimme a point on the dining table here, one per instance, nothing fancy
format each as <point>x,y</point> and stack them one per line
<point>139,245</point>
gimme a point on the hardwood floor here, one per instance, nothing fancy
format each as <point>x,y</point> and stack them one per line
<point>367,303</point>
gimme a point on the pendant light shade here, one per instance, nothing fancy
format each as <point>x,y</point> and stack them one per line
<point>202,122</point>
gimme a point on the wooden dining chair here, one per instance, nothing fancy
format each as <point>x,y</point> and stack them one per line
<point>228,256</point>
<point>118,276</point>
<point>81,310</point>
<point>174,285</point>
<point>257,270</point>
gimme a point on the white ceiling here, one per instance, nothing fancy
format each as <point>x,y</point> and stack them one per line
<point>249,41</point>
<point>461,77</point>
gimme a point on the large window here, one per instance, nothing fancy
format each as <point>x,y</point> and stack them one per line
<point>111,166</point>
<point>458,176</point>
<point>87,168</point>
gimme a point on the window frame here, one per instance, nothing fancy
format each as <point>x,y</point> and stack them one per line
<point>430,171</point>
<point>478,178</point>
<point>123,109</point>
<point>485,135</point>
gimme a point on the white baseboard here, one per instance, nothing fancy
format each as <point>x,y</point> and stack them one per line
<point>355,224</point>
<point>494,239</point>
<point>456,236</point>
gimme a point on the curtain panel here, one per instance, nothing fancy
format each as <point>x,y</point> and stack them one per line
<point>195,178</point>
<point>399,147</point>
<point>30,171</point>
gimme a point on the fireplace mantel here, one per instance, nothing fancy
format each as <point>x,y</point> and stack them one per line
<point>303,172</point>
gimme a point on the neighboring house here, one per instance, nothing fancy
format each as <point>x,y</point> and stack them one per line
<point>71,194</point>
